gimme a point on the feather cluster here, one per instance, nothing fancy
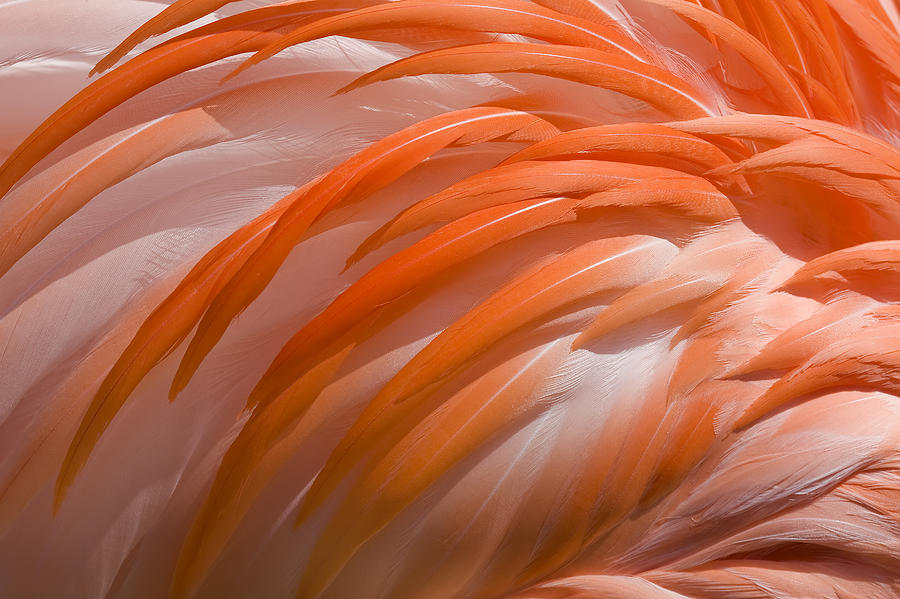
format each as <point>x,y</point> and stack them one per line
<point>450,299</point>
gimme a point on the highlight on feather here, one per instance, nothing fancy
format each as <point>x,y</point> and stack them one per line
<point>450,298</point>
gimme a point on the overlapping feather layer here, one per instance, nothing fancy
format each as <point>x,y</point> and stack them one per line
<point>450,298</point>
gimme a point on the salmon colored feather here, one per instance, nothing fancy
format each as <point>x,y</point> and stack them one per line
<point>178,13</point>
<point>574,275</point>
<point>373,168</point>
<point>498,16</point>
<point>448,246</point>
<point>459,299</point>
<point>506,184</point>
<point>657,87</point>
<point>163,330</point>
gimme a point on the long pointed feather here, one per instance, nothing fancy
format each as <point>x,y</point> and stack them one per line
<point>475,415</point>
<point>162,331</point>
<point>404,271</point>
<point>180,12</point>
<point>657,87</point>
<point>749,47</point>
<point>831,323</point>
<point>872,259</point>
<point>868,361</point>
<point>291,356</point>
<point>246,32</point>
<point>250,463</point>
<point>504,184</point>
<point>499,16</point>
<point>692,278</point>
<point>630,142</point>
<point>598,266</point>
<point>373,168</point>
<point>784,129</point>
<point>29,214</point>
<point>452,244</point>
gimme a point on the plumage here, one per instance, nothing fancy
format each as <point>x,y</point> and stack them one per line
<point>504,16</point>
<point>368,171</point>
<point>449,246</point>
<point>112,89</point>
<point>180,12</point>
<point>456,299</point>
<point>864,362</point>
<point>694,276</point>
<point>506,184</point>
<point>575,275</point>
<point>645,82</point>
<point>163,330</point>
<point>656,145</point>
<point>772,71</point>
<point>250,463</point>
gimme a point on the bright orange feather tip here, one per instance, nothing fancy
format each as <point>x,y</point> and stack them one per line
<point>180,12</point>
<point>451,299</point>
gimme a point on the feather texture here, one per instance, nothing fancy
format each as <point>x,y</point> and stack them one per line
<point>484,298</point>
